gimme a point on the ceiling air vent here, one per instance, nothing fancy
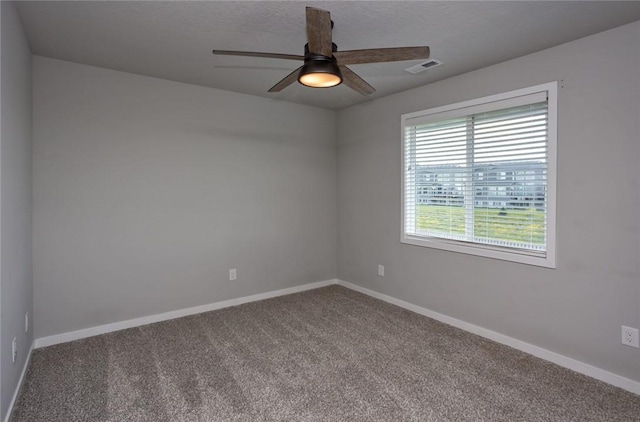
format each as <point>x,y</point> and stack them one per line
<point>423,66</point>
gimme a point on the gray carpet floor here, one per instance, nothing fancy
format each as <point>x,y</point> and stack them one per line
<point>329,354</point>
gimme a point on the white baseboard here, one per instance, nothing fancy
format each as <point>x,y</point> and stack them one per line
<point>20,382</point>
<point>558,359</point>
<point>136,322</point>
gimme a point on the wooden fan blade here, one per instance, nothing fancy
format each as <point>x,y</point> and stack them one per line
<point>319,31</point>
<point>256,54</point>
<point>379,55</point>
<point>355,82</point>
<point>288,80</point>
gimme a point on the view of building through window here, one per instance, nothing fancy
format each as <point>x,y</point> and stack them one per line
<point>509,200</point>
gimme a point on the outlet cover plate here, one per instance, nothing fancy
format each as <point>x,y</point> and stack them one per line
<point>630,337</point>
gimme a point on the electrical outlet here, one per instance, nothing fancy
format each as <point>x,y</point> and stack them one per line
<point>381,270</point>
<point>232,274</point>
<point>630,336</point>
<point>14,349</point>
<point>26,322</point>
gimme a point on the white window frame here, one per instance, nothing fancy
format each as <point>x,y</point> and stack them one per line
<point>489,251</point>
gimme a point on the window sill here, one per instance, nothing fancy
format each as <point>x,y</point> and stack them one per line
<point>486,251</point>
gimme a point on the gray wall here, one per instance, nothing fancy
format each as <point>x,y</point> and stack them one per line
<point>15,200</point>
<point>576,309</point>
<point>146,192</point>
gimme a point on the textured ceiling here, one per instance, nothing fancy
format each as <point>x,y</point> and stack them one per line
<point>173,40</point>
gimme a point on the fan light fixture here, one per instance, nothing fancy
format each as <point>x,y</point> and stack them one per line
<point>320,72</point>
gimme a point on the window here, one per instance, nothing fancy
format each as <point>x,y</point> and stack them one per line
<point>479,176</point>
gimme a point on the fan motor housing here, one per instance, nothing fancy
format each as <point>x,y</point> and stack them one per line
<point>334,48</point>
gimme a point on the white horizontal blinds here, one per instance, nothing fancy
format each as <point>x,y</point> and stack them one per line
<point>510,176</point>
<point>410,189</point>
<point>480,177</point>
<point>437,153</point>
<point>446,113</point>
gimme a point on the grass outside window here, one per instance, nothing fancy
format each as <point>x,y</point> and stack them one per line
<point>516,225</point>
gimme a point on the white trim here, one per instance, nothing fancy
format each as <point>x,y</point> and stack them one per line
<point>552,171</point>
<point>558,359</point>
<point>20,382</point>
<point>484,250</point>
<point>136,322</point>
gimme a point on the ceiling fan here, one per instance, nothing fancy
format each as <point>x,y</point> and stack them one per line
<point>324,66</point>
